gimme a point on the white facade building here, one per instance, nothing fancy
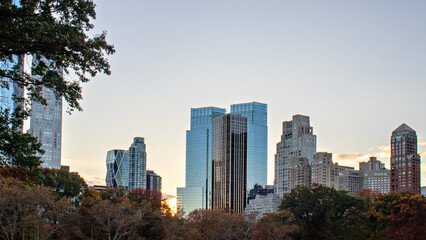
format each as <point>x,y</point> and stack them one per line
<point>262,205</point>
<point>297,140</point>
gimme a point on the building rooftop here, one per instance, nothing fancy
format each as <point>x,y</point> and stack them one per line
<point>403,128</point>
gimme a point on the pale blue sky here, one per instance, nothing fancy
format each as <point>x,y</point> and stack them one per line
<point>357,68</point>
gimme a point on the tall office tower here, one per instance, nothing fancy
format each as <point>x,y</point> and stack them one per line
<point>299,172</point>
<point>229,162</point>
<point>137,164</point>
<point>405,161</point>
<point>376,176</point>
<point>257,141</point>
<point>153,181</point>
<point>297,140</point>
<point>324,172</point>
<point>117,163</point>
<point>197,190</point>
<point>46,126</point>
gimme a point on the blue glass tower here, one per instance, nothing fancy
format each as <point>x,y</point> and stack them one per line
<point>196,193</point>
<point>117,163</point>
<point>8,89</point>
<point>257,141</point>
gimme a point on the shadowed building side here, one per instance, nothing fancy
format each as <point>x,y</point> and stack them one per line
<point>229,163</point>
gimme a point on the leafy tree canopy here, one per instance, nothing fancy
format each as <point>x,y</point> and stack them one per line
<point>54,32</point>
<point>321,212</point>
<point>54,35</point>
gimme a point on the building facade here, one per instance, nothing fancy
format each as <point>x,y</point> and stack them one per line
<point>46,126</point>
<point>299,172</point>
<point>262,205</point>
<point>324,172</point>
<point>117,164</point>
<point>375,176</point>
<point>137,164</point>
<point>197,191</point>
<point>229,162</point>
<point>8,89</point>
<point>259,190</point>
<point>351,181</point>
<point>257,140</point>
<point>405,161</point>
<point>297,140</point>
<point>153,181</point>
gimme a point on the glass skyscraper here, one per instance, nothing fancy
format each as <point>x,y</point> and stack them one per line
<point>137,164</point>
<point>8,89</point>
<point>229,162</point>
<point>196,193</point>
<point>46,126</point>
<point>117,164</point>
<point>257,142</point>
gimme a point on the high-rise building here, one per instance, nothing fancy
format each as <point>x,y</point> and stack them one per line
<point>375,176</point>
<point>257,140</point>
<point>10,92</point>
<point>153,181</point>
<point>197,190</point>
<point>137,164</point>
<point>405,161</point>
<point>297,140</point>
<point>46,126</point>
<point>229,162</point>
<point>299,172</point>
<point>372,164</point>
<point>117,164</point>
<point>350,180</point>
<point>324,172</point>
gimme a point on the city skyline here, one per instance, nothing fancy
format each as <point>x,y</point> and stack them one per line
<point>341,64</point>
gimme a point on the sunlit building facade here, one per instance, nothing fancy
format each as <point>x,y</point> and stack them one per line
<point>257,140</point>
<point>324,171</point>
<point>197,191</point>
<point>375,176</point>
<point>297,140</point>
<point>117,164</point>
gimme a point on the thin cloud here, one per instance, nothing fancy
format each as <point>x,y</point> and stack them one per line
<point>347,156</point>
<point>95,181</point>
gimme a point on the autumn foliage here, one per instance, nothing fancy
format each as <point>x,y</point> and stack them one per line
<point>58,205</point>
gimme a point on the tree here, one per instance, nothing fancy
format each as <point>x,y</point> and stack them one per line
<point>321,212</point>
<point>29,212</point>
<point>216,224</point>
<point>278,225</point>
<point>20,148</point>
<point>55,34</point>
<point>64,183</point>
<point>407,218</point>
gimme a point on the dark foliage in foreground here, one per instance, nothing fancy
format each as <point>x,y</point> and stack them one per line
<point>34,207</point>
